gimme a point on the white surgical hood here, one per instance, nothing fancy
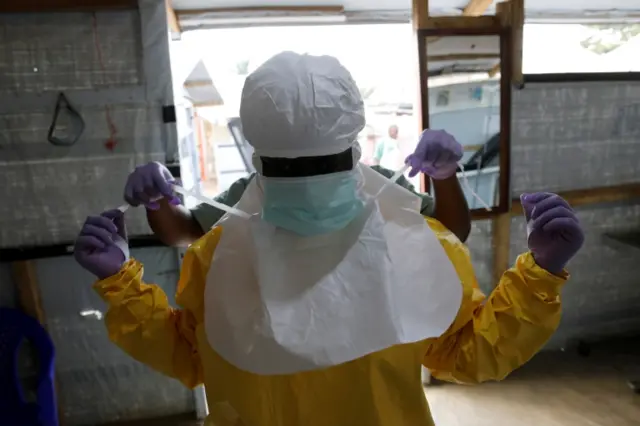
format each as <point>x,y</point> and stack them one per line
<point>301,106</point>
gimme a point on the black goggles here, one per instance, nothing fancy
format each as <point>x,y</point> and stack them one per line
<point>307,166</point>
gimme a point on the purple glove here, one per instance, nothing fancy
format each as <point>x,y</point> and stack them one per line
<point>555,235</point>
<point>436,155</point>
<point>148,183</point>
<point>101,247</point>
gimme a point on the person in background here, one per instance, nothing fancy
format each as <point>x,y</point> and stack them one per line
<point>388,153</point>
<point>319,304</point>
<point>369,147</point>
<point>176,225</point>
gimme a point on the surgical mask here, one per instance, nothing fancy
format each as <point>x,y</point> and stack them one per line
<point>314,205</point>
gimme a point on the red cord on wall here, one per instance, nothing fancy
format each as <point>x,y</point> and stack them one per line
<point>111,143</point>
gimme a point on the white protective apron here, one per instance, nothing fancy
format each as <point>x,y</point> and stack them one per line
<point>280,303</point>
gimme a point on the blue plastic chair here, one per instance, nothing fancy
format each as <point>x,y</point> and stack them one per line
<point>15,327</point>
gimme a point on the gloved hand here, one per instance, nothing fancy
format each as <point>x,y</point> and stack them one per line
<point>101,247</point>
<point>436,155</point>
<point>555,235</point>
<point>146,184</point>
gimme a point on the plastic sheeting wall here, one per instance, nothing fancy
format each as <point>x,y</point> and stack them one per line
<point>99,383</point>
<point>576,135</point>
<point>115,60</point>
<point>49,190</point>
<point>572,136</point>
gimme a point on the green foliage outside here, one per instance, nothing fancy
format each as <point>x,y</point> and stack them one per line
<point>242,67</point>
<point>607,38</point>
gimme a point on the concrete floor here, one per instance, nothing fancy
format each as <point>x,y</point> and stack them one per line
<point>554,389</point>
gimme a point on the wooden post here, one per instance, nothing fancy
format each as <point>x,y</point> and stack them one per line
<point>476,7</point>
<point>26,282</point>
<point>511,15</point>
<point>517,22</point>
<point>592,196</point>
<point>420,14</point>
<point>419,19</point>
<point>172,19</point>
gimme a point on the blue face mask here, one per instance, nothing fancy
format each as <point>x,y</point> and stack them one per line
<point>311,206</point>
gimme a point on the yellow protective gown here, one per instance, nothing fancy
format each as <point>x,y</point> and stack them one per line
<point>489,338</point>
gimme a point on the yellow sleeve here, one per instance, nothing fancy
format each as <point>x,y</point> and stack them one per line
<point>493,336</point>
<point>140,321</point>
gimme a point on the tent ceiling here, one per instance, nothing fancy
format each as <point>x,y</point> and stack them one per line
<point>437,7</point>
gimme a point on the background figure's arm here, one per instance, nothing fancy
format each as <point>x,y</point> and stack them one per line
<point>437,155</point>
<point>451,207</point>
<point>427,205</point>
<point>150,185</point>
<point>207,216</point>
<point>178,226</point>
<point>174,225</point>
<point>141,322</point>
<point>492,337</point>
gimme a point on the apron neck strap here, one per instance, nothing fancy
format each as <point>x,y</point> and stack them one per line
<point>467,185</point>
<point>211,202</point>
<point>397,175</point>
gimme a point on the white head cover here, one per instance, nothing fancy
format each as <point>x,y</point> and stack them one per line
<point>301,106</point>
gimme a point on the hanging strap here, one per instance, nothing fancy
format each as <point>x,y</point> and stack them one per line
<point>206,200</point>
<point>211,202</point>
<point>392,180</point>
<point>467,185</point>
<point>397,175</point>
<point>236,212</point>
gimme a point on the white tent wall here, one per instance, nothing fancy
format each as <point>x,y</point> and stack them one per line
<point>117,60</point>
<point>569,136</point>
<point>48,190</point>
<point>99,383</point>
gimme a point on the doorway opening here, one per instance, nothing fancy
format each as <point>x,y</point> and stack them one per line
<point>210,67</point>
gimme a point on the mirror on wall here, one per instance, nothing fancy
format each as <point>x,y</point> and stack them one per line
<point>464,96</point>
